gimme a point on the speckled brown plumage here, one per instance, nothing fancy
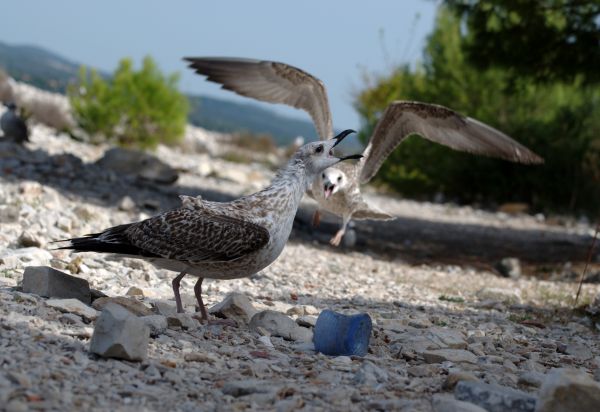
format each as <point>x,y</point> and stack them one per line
<point>186,235</point>
<point>222,240</point>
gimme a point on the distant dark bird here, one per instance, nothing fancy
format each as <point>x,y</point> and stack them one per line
<point>337,189</point>
<point>13,126</point>
<point>218,240</point>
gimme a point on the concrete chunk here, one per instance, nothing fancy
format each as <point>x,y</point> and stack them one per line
<point>49,282</point>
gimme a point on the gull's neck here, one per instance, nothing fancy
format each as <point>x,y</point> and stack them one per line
<point>289,183</point>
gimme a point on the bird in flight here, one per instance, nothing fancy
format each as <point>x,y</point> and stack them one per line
<point>337,189</point>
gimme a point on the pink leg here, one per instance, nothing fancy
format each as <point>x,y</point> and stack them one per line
<point>335,241</point>
<point>202,309</point>
<point>176,283</point>
<point>198,293</point>
<point>316,218</point>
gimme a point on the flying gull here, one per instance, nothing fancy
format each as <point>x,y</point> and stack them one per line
<point>13,127</point>
<point>337,189</point>
<point>220,240</point>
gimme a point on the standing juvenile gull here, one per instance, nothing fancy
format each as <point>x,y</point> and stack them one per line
<point>337,189</point>
<point>13,127</point>
<point>220,240</point>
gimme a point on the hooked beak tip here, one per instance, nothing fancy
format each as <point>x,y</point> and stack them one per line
<point>342,136</point>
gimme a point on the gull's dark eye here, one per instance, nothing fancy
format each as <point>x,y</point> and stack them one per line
<point>323,175</point>
<point>339,178</point>
<point>319,149</point>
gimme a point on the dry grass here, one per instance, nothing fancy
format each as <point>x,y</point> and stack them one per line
<point>48,111</point>
<point>43,107</point>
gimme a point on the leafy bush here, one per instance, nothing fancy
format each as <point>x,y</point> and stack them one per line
<point>560,121</point>
<point>133,109</point>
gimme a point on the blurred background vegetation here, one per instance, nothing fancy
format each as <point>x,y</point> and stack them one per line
<point>528,68</point>
<point>483,60</point>
<point>132,108</point>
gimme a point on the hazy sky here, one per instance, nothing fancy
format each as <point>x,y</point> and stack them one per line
<point>335,40</point>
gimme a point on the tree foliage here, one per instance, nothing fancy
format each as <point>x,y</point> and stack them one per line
<point>558,120</point>
<point>543,39</point>
<point>133,108</point>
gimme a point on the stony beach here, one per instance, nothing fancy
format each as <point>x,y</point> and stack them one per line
<point>446,336</point>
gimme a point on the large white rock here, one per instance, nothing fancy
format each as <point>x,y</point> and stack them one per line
<point>119,334</point>
<point>567,390</point>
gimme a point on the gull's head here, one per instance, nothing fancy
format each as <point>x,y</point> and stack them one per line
<point>332,180</point>
<point>318,156</point>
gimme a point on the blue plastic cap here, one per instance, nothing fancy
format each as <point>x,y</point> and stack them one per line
<point>337,334</point>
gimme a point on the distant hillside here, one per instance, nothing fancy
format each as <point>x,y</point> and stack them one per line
<point>38,67</point>
<point>228,116</point>
<point>49,71</point>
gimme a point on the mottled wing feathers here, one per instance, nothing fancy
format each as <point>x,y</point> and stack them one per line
<point>182,234</point>
<point>440,125</point>
<point>187,235</point>
<point>270,82</point>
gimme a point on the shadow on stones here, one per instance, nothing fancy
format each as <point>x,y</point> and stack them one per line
<point>412,240</point>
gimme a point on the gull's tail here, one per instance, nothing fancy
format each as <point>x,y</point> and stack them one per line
<point>112,240</point>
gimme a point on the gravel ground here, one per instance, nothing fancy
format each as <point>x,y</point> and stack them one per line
<point>434,324</point>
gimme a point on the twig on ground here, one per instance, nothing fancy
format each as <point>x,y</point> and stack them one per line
<point>589,258</point>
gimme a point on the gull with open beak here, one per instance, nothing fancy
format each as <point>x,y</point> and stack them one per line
<point>337,189</point>
<point>220,240</point>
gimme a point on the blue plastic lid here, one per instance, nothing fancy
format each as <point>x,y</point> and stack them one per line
<point>337,334</point>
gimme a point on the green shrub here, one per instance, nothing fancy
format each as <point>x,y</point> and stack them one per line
<point>559,120</point>
<point>133,108</point>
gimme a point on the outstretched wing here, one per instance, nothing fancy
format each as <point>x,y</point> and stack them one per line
<point>440,125</point>
<point>182,234</point>
<point>270,82</point>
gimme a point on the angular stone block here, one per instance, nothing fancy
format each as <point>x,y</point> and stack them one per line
<point>119,334</point>
<point>49,282</point>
